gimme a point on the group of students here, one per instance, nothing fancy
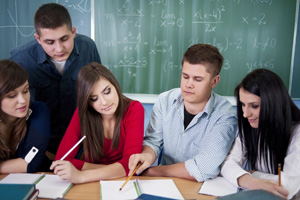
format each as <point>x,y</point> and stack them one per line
<point>54,90</point>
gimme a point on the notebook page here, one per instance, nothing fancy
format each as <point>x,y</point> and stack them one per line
<point>218,186</point>
<point>162,187</point>
<point>22,178</point>
<point>111,190</point>
<point>52,186</point>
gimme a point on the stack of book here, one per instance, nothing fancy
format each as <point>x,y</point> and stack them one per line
<point>18,191</point>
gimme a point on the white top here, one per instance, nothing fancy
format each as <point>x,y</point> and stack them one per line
<point>60,65</point>
<point>290,175</point>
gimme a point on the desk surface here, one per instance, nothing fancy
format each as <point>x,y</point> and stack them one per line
<point>188,189</point>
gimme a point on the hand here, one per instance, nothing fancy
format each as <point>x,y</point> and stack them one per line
<point>145,158</point>
<point>66,171</point>
<point>249,182</point>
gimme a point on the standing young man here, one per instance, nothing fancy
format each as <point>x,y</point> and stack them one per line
<point>53,61</point>
<point>195,126</point>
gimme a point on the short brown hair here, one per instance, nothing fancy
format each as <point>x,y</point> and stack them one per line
<point>51,16</point>
<point>204,53</point>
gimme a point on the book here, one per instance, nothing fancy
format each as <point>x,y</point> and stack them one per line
<point>250,195</point>
<point>18,191</point>
<point>218,186</point>
<point>49,186</point>
<point>152,197</point>
<point>161,187</point>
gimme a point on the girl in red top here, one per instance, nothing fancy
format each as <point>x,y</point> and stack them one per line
<point>113,126</point>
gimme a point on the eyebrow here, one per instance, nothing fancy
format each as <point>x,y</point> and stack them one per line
<point>101,91</point>
<point>50,40</point>
<point>192,76</point>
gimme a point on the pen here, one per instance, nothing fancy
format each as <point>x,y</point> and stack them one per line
<point>279,174</point>
<point>139,164</point>
<point>73,148</point>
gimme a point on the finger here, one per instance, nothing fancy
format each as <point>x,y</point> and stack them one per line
<point>133,161</point>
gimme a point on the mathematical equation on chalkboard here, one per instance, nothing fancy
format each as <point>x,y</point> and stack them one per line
<point>206,22</point>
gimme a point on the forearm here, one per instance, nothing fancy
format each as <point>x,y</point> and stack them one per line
<point>150,152</point>
<point>175,170</point>
<point>105,172</point>
<point>17,165</point>
<point>88,166</point>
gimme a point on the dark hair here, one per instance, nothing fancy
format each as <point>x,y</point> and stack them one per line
<point>278,115</point>
<point>90,120</point>
<point>12,76</point>
<point>204,53</point>
<point>51,16</point>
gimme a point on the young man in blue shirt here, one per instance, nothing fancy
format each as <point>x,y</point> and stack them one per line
<point>194,126</point>
<point>53,61</point>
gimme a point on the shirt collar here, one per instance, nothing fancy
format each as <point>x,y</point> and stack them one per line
<point>209,107</point>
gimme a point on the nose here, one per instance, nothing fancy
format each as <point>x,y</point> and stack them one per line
<point>246,112</point>
<point>58,46</point>
<point>189,83</point>
<point>21,98</point>
<point>102,100</point>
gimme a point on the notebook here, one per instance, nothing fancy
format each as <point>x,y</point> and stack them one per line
<point>49,186</point>
<point>18,191</point>
<point>218,186</point>
<point>161,187</point>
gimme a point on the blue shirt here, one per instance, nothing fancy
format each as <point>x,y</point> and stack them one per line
<point>203,145</point>
<point>37,135</point>
<point>47,85</point>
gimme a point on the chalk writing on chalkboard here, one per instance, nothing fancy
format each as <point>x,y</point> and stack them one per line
<point>142,42</point>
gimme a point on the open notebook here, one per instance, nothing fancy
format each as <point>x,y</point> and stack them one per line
<point>49,186</point>
<point>218,186</point>
<point>162,187</point>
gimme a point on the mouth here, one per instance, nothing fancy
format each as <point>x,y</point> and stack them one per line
<point>187,92</point>
<point>107,108</point>
<point>251,120</point>
<point>22,109</point>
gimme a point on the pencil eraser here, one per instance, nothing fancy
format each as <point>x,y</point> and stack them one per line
<point>30,155</point>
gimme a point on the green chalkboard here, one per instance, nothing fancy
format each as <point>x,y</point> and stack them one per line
<point>16,20</point>
<point>295,80</point>
<point>142,41</point>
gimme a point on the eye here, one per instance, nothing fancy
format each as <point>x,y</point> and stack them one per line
<point>107,91</point>
<point>255,106</point>
<point>64,38</point>
<point>198,79</point>
<point>11,96</point>
<point>93,99</point>
<point>50,42</point>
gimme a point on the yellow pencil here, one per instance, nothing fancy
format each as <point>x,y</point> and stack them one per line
<point>139,164</point>
<point>279,174</point>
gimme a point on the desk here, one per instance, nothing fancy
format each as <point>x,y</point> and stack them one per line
<point>188,189</point>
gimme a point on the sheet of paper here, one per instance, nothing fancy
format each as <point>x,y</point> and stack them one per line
<point>164,187</point>
<point>218,186</point>
<point>21,178</point>
<point>52,186</point>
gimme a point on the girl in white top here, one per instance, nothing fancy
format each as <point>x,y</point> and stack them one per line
<point>269,134</point>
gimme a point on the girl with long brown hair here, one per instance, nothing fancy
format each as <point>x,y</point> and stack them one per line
<point>112,123</point>
<point>24,125</point>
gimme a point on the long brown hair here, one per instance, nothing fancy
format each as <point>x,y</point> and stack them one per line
<point>90,120</point>
<point>12,76</point>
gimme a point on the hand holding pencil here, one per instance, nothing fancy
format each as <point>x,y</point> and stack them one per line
<point>129,177</point>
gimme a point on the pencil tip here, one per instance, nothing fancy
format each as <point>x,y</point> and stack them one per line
<point>120,189</point>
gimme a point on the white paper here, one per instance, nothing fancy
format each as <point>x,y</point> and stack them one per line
<point>162,187</point>
<point>52,186</point>
<point>218,186</point>
<point>21,178</point>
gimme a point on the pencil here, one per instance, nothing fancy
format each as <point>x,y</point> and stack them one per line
<point>72,148</point>
<point>279,174</point>
<point>129,177</point>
